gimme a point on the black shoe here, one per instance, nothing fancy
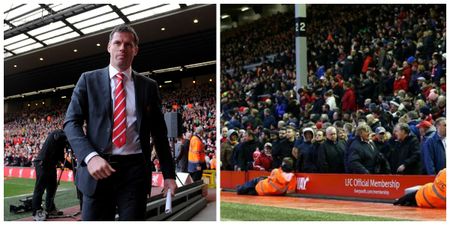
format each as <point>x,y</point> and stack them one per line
<point>239,190</point>
<point>55,212</point>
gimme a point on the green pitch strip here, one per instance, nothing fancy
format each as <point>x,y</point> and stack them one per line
<point>233,212</point>
<point>19,188</point>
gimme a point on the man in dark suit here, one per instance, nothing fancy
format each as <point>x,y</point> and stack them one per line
<point>122,110</point>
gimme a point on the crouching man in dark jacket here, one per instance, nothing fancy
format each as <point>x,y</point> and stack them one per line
<point>51,154</point>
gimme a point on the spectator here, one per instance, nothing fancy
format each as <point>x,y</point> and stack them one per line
<point>284,147</point>
<point>434,157</point>
<point>365,157</point>
<point>224,134</point>
<point>412,119</point>
<point>405,158</point>
<point>307,153</point>
<point>177,148</point>
<point>266,157</point>
<point>182,157</point>
<point>349,98</point>
<point>245,151</point>
<point>381,143</point>
<point>269,120</point>
<point>226,149</point>
<point>330,157</point>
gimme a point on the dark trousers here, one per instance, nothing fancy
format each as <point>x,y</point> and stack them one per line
<point>45,180</point>
<point>248,188</point>
<point>124,192</point>
<point>197,175</point>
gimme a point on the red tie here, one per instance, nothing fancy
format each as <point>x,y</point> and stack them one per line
<point>120,113</point>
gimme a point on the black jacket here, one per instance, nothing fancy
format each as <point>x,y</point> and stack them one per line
<point>245,154</point>
<point>407,153</point>
<point>283,149</point>
<point>308,156</point>
<point>330,157</point>
<point>52,151</point>
<point>182,158</point>
<point>365,158</point>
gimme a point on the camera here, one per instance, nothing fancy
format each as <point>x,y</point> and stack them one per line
<point>24,206</point>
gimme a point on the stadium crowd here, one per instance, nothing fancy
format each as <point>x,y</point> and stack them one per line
<point>26,131</point>
<point>374,101</point>
<point>197,106</point>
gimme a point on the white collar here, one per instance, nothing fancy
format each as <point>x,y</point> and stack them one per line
<point>113,71</point>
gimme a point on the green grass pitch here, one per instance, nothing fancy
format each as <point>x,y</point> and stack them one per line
<point>19,188</point>
<point>243,212</point>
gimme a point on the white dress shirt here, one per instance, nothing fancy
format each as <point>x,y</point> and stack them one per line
<point>132,145</point>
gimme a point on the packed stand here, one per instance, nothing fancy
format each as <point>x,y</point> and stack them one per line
<point>26,131</point>
<point>197,106</point>
<point>374,102</point>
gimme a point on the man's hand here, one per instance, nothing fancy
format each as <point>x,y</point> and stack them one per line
<point>199,168</point>
<point>99,168</point>
<point>401,168</point>
<point>169,184</point>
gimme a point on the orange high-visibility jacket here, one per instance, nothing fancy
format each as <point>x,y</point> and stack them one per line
<point>432,195</point>
<point>278,183</point>
<point>196,150</point>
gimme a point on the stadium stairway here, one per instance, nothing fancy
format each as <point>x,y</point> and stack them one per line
<point>187,202</point>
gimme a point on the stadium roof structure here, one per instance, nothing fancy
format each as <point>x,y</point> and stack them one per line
<point>45,45</point>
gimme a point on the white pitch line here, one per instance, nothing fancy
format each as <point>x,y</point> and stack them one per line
<point>23,195</point>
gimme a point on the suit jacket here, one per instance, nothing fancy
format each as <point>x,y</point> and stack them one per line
<point>91,102</point>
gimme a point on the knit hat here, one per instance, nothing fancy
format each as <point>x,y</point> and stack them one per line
<point>425,110</point>
<point>395,102</point>
<point>319,125</point>
<point>410,60</point>
<point>424,124</point>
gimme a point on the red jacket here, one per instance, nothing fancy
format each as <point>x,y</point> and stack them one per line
<point>366,64</point>
<point>262,162</point>
<point>349,100</point>
<point>407,71</point>
<point>401,84</point>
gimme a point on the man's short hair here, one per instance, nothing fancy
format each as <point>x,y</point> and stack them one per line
<point>404,127</point>
<point>329,129</point>
<point>412,115</point>
<point>199,129</point>
<point>290,127</point>
<point>361,128</point>
<point>438,121</point>
<point>124,28</point>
